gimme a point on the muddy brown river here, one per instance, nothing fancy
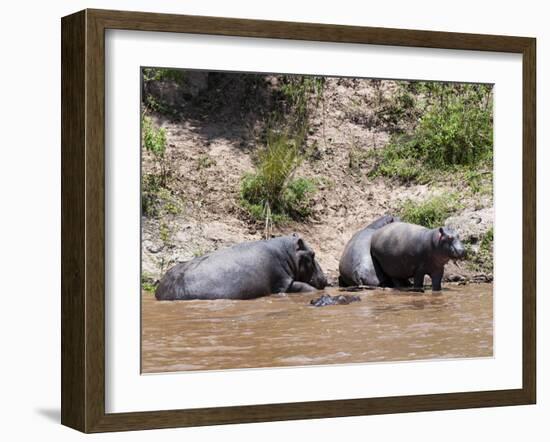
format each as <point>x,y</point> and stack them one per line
<point>284,330</point>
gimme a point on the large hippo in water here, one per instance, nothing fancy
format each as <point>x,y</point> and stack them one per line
<point>404,251</point>
<point>245,271</point>
<point>356,265</point>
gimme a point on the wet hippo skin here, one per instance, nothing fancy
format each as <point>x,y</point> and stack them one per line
<point>245,271</point>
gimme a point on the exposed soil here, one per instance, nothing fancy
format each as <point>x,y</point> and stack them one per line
<point>211,141</point>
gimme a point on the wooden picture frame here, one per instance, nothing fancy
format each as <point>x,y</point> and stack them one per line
<point>83,220</point>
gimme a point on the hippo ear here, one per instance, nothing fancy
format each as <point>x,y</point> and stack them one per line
<point>442,232</point>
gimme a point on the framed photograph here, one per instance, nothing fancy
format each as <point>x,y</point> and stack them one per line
<point>268,221</point>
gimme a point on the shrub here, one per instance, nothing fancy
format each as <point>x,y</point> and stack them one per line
<point>272,193</point>
<point>163,74</point>
<point>147,283</point>
<point>154,140</point>
<point>292,203</point>
<point>157,201</point>
<point>432,212</point>
<point>156,198</point>
<point>272,190</point>
<point>395,165</point>
<point>455,130</point>
<point>296,197</point>
<point>296,91</point>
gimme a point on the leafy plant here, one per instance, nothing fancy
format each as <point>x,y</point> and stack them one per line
<point>272,191</point>
<point>156,198</point>
<point>454,131</point>
<point>154,140</point>
<point>147,283</point>
<point>432,212</point>
<point>163,74</point>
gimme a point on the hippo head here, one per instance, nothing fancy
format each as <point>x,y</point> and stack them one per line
<point>309,270</point>
<point>448,244</point>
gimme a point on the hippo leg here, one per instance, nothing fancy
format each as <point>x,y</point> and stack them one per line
<point>365,277</point>
<point>436,280</point>
<point>378,277</point>
<point>401,282</point>
<point>342,282</point>
<point>419,280</point>
<point>297,287</point>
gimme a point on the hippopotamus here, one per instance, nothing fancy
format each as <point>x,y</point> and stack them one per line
<point>325,300</point>
<point>245,271</point>
<point>404,251</point>
<point>356,265</point>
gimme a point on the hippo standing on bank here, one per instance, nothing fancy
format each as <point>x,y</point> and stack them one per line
<point>245,271</point>
<point>356,265</point>
<point>404,251</point>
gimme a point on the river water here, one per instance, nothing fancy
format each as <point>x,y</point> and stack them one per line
<point>284,330</point>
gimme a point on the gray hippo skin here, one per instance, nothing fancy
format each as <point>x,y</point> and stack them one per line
<point>325,300</point>
<point>406,251</point>
<point>356,265</point>
<point>245,271</point>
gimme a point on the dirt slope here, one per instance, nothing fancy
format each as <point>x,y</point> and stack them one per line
<point>210,151</point>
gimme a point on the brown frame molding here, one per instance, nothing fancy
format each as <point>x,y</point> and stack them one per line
<point>83,216</point>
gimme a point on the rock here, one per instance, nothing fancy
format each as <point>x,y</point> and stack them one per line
<point>472,225</point>
<point>155,248</point>
<point>456,278</point>
<point>482,277</point>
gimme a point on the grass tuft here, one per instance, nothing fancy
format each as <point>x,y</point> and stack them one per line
<point>430,213</point>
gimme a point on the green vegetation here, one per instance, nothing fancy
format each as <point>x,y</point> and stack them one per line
<point>154,142</point>
<point>150,75</point>
<point>453,133</point>
<point>481,260</point>
<point>164,232</point>
<point>479,182</point>
<point>157,201</point>
<point>153,102</point>
<point>156,198</point>
<point>356,158</point>
<point>199,251</point>
<point>147,283</point>
<point>204,162</point>
<point>432,212</point>
<point>297,91</point>
<point>163,74</point>
<point>272,191</point>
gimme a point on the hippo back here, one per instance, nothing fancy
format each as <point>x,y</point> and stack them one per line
<point>356,266</point>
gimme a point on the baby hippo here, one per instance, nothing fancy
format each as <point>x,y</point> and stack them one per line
<point>404,251</point>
